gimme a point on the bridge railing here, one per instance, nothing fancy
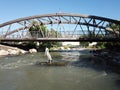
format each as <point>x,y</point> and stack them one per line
<point>60,34</point>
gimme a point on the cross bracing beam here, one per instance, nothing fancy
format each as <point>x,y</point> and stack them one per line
<point>84,25</point>
<point>58,15</point>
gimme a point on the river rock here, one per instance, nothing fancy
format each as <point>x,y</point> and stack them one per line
<point>32,50</point>
<point>3,52</point>
<point>7,50</point>
<point>13,52</point>
<point>62,48</point>
<point>68,49</point>
<point>23,51</point>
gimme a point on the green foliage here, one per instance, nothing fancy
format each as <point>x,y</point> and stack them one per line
<point>91,34</point>
<point>53,33</point>
<point>39,31</point>
<point>114,26</point>
<point>66,46</point>
<point>84,44</point>
<point>108,45</point>
<point>112,45</point>
<point>100,45</point>
<point>49,44</point>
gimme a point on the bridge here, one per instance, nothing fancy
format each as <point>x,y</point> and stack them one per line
<point>61,27</point>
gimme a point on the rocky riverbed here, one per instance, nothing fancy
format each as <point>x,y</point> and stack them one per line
<point>110,58</point>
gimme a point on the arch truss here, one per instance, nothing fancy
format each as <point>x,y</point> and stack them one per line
<point>61,27</point>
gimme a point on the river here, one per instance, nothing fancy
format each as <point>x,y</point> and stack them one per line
<point>22,73</point>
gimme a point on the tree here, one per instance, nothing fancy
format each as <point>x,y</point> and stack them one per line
<point>84,44</point>
<point>37,31</point>
<point>111,45</point>
<point>114,26</point>
<point>40,31</point>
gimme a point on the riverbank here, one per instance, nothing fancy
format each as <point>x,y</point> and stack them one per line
<point>10,51</point>
<point>69,50</point>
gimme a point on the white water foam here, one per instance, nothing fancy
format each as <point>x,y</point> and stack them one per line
<point>15,65</point>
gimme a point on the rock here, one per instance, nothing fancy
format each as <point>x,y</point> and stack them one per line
<point>13,52</point>
<point>68,49</point>
<point>62,48</point>
<point>32,50</point>
<point>3,52</point>
<point>55,49</point>
<point>7,50</point>
<point>23,51</point>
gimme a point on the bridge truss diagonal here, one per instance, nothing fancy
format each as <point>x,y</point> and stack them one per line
<point>66,26</point>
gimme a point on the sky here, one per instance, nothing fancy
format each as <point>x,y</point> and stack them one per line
<point>14,9</point>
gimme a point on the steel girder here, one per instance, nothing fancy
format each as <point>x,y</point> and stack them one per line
<point>80,26</point>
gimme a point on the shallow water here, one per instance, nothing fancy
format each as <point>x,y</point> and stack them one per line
<point>22,73</point>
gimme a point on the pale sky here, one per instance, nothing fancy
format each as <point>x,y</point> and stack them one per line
<point>13,9</point>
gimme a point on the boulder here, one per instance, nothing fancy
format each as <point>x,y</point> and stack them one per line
<point>7,50</point>
<point>32,50</point>
<point>13,51</point>
<point>68,49</point>
<point>23,51</point>
<point>62,48</point>
<point>3,52</point>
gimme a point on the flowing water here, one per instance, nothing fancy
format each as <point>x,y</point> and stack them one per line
<point>22,73</point>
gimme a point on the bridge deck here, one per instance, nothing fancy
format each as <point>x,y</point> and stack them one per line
<point>63,39</point>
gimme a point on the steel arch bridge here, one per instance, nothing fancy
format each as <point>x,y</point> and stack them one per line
<point>66,26</point>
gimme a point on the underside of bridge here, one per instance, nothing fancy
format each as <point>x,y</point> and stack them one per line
<point>61,27</point>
